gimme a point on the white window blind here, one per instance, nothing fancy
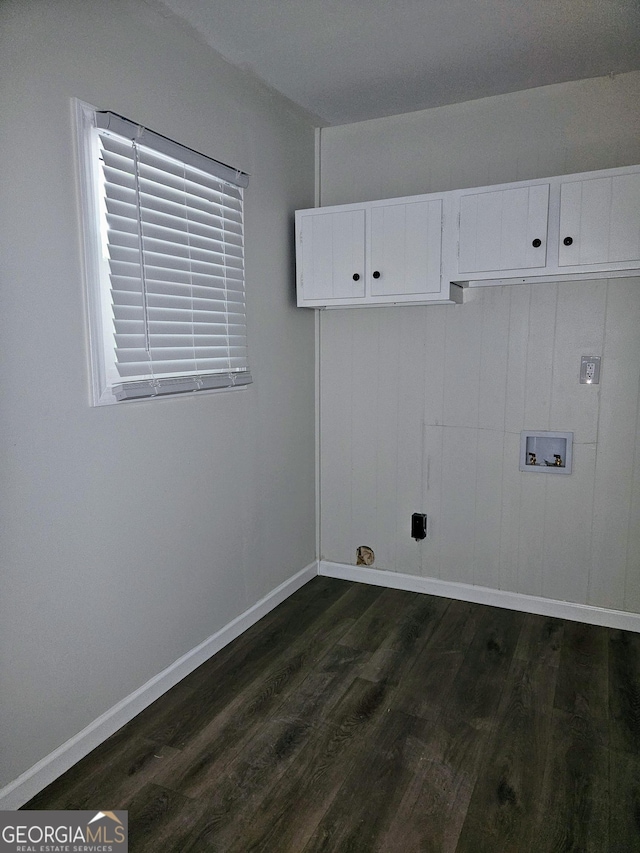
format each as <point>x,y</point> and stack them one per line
<point>171,227</point>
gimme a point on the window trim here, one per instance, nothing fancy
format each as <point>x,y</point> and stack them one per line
<point>96,265</point>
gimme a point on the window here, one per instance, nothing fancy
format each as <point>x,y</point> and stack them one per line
<point>164,250</point>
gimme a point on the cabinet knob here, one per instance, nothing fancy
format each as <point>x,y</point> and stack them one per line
<point>537,243</point>
<point>568,241</point>
<point>376,274</point>
<point>356,276</point>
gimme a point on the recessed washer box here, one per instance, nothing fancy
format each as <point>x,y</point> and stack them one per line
<point>546,452</point>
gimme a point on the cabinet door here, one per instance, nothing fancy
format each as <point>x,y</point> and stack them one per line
<point>600,220</point>
<point>406,248</point>
<point>504,230</point>
<point>331,252</point>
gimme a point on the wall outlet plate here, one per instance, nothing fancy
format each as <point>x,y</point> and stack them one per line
<point>590,370</point>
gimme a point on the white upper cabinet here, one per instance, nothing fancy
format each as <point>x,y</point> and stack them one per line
<point>576,226</point>
<point>405,249</point>
<point>503,229</point>
<point>422,249</point>
<point>600,220</point>
<point>375,253</point>
<point>331,266</point>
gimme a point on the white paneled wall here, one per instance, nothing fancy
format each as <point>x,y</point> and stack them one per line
<point>421,411</point>
<point>421,408</point>
<point>553,130</point>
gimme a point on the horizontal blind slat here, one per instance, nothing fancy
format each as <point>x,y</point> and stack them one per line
<point>169,210</point>
<point>167,181</point>
<point>212,227</point>
<point>173,238</point>
<point>213,291</point>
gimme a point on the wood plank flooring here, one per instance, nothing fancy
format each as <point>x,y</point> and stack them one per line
<point>357,718</point>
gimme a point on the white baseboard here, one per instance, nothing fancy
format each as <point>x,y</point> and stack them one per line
<point>485,595</point>
<point>31,782</point>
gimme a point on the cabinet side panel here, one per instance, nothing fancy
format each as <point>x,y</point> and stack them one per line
<point>570,204</point>
<point>489,227</point>
<point>515,213</point>
<point>593,240</point>
<point>433,283</point>
<point>624,230</point>
<point>348,253</point>
<point>424,238</point>
<point>468,233</point>
<point>316,256</point>
<point>537,223</point>
<point>388,248</point>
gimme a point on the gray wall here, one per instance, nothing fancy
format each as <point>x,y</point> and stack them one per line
<point>131,533</point>
<point>422,408</point>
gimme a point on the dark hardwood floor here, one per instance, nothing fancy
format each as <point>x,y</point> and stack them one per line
<point>356,718</point>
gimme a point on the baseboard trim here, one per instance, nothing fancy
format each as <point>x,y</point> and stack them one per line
<point>485,595</point>
<point>32,781</point>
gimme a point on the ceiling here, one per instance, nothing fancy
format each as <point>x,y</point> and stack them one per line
<point>349,60</point>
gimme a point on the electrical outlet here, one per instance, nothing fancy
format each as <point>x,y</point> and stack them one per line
<point>590,370</point>
<point>418,526</point>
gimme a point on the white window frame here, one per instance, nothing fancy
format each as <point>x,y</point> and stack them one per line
<point>107,385</point>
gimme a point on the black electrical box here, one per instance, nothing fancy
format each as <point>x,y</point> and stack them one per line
<point>419,525</point>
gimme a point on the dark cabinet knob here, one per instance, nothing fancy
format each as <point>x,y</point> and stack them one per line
<point>568,241</point>
<point>536,243</point>
<point>356,276</point>
<point>376,274</point>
